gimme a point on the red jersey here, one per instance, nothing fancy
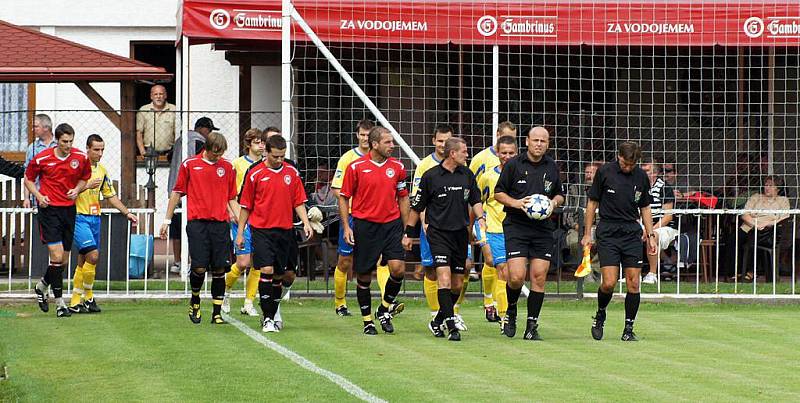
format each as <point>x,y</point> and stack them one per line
<point>374,188</point>
<point>271,195</point>
<point>58,175</point>
<point>208,186</point>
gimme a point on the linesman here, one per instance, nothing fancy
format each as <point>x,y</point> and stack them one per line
<point>621,191</point>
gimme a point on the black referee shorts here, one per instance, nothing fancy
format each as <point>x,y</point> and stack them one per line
<point>528,242</point>
<point>620,243</point>
<point>449,248</point>
<point>209,244</point>
<point>273,247</point>
<point>374,240</point>
<point>57,224</point>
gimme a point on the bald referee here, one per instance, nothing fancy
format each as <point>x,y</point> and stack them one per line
<point>621,191</point>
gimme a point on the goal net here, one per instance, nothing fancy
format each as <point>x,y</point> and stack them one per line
<point>709,89</point>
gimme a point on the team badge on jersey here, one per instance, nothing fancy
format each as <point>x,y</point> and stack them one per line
<point>220,172</point>
<point>287,179</point>
<point>74,164</point>
<point>547,186</point>
<point>466,194</point>
<point>637,196</point>
<point>390,172</point>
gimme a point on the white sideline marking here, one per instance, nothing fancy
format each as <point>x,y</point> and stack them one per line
<point>343,383</point>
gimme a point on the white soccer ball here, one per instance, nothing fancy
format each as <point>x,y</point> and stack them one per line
<point>537,207</point>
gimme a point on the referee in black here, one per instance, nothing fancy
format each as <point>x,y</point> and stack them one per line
<point>447,193</point>
<point>533,172</point>
<point>621,190</point>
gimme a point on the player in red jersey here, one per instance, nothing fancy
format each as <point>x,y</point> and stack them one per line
<point>376,185</point>
<point>209,183</point>
<point>62,172</point>
<point>272,191</point>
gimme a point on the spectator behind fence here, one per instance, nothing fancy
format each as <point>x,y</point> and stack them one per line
<point>575,208</point>
<point>155,123</point>
<point>663,198</point>
<point>322,193</point>
<point>770,199</point>
<point>43,130</point>
<point>196,141</point>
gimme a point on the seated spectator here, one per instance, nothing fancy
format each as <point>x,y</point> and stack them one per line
<point>322,194</point>
<point>663,226</point>
<point>770,199</point>
<point>574,210</point>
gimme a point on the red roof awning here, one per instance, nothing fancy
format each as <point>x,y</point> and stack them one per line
<point>555,22</point>
<point>28,55</point>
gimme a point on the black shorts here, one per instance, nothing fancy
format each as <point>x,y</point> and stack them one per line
<point>620,243</point>
<point>530,243</point>
<point>57,224</point>
<point>209,244</point>
<point>374,240</point>
<point>273,247</point>
<point>449,248</point>
<point>175,226</point>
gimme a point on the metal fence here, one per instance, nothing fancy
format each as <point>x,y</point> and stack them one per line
<point>705,261</point>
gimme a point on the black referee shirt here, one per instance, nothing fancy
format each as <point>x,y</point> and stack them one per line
<point>522,177</point>
<point>445,197</point>
<point>620,195</point>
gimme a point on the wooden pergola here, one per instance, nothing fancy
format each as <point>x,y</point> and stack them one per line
<point>29,56</point>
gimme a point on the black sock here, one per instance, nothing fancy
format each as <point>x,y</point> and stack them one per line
<point>631,307</point>
<point>364,300</point>
<point>513,298</point>
<point>265,292</point>
<point>217,291</point>
<point>56,281</point>
<point>603,299</point>
<point>393,285</point>
<point>277,289</point>
<point>446,307</point>
<point>196,282</point>
<point>454,296</point>
<point>535,301</point>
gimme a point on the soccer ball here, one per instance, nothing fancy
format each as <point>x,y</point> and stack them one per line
<point>537,207</point>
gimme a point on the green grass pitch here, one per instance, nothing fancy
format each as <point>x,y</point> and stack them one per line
<point>149,351</point>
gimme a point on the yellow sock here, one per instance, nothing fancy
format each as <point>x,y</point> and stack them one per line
<point>339,287</point>
<point>252,285</point>
<point>88,280</point>
<point>457,305</point>
<point>383,277</point>
<point>431,289</point>
<point>501,297</point>
<point>77,288</point>
<point>489,277</point>
<point>232,276</point>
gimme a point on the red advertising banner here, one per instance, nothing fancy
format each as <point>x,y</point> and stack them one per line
<point>568,22</point>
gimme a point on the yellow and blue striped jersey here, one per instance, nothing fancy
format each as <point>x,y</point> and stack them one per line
<point>341,167</point>
<point>427,163</point>
<point>241,165</point>
<point>88,202</point>
<point>494,210</point>
<point>483,162</point>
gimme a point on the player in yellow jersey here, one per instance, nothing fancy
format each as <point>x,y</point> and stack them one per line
<point>487,159</point>
<point>254,141</point>
<point>494,248</point>
<point>87,227</point>
<point>344,264</point>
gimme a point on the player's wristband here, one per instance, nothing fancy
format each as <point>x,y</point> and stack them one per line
<point>409,231</point>
<point>166,221</point>
<point>652,235</point>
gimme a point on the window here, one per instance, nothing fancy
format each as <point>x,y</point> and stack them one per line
<point>13,117</point>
